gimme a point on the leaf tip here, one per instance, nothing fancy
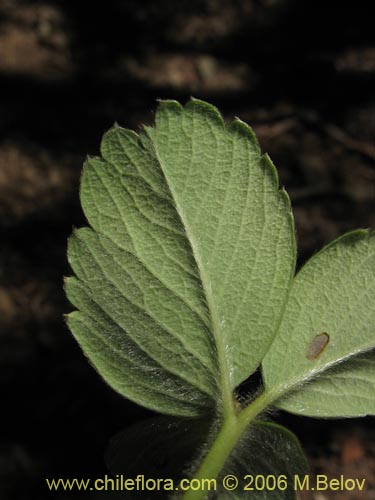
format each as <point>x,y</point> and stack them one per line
<point>69,281</point>
<point>168,105</point>
<point>238,126</point>
<point>206,109</point>
<point>351,238</point>
<point>165,110</point>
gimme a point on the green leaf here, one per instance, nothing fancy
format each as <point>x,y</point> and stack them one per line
<point>239,226</point>
<point>182,278</point>
<point>346,390</point>
<point>165,447</point>
<point>122,363</point>
<point>319,362</point>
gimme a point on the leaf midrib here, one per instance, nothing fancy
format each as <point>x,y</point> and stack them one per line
<point>223,364</point>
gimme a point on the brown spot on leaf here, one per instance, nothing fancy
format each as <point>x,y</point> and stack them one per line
<point>317,345</point>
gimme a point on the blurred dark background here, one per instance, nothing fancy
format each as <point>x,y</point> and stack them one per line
<point>301,73</point>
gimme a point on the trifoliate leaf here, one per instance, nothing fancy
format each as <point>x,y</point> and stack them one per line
<point>321,352</point>
<point>183,276</point>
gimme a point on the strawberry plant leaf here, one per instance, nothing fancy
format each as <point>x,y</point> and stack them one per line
<point>345,390</point>
<point>165,447</point>
<point>182,278</point>
<point>184,285</point>
<point>239,225</point>
<point>321,352</point>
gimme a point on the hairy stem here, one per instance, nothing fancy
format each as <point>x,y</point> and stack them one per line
<point>227,438</point>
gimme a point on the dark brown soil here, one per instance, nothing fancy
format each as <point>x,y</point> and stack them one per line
<point>301,73</point>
